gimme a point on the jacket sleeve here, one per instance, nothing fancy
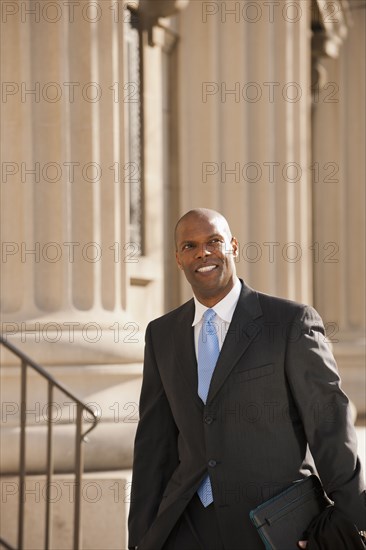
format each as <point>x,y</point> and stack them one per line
<point>155,451</point>
<point>326,416</point>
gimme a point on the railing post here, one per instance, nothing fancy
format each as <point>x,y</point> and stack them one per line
<point>49,466</point>
<point>23,408</point>
<point>78,477</point>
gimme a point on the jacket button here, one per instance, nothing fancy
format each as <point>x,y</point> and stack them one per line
<point>212,463</point>
<point>208,419</point>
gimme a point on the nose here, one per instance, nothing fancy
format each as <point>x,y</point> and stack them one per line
<point>203,251</point>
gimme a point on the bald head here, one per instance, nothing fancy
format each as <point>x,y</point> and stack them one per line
<point>207,214</point>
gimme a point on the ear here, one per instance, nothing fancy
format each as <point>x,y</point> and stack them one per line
<point>235,246</point>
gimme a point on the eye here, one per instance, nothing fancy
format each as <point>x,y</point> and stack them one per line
<point>187,246</point>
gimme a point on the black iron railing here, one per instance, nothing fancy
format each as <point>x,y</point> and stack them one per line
<point>79,457</point>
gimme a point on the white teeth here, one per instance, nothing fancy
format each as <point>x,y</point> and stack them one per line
<point>206,268</point>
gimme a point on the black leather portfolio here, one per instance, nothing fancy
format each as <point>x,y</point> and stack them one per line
<point>282,521</point>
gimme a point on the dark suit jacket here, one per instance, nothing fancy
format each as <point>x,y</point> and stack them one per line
<point>274,395</point>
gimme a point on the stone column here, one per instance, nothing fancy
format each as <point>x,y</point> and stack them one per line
<point>65,227</point>
<point>339,198</point>
<point>245,123</point>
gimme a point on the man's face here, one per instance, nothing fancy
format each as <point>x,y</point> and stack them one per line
<point>206,252</point>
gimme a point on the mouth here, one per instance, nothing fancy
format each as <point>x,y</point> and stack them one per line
<point>206,268</point>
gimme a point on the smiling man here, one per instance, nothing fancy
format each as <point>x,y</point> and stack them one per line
<point>240,398</point>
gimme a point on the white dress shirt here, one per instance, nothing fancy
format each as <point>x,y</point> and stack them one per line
<point>224,312</point>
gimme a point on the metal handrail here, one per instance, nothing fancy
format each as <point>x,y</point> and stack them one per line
<point>79,455</point>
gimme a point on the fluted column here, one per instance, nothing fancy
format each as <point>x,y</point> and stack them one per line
<point>339,198</point>
<point>67,254</point>
<point>245,122</point>
<point>73,141</point>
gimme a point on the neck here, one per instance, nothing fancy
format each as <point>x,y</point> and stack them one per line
<point>211,299</point>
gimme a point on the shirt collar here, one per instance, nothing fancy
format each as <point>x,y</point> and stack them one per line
<point>224,309</point>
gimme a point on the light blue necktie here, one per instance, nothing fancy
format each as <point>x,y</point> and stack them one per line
<point>208,352</point>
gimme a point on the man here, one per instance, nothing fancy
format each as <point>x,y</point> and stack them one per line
<point>215,440</point>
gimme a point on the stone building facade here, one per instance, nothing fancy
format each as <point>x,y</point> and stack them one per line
<point>117,117</point>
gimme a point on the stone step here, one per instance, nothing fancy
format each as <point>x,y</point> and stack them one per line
<point>104,512</point>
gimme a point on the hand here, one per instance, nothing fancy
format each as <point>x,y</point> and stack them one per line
<point>302,543</point>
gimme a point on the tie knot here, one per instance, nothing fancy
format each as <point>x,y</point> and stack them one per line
<point>209,315</point>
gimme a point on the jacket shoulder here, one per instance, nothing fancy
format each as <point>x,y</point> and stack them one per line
<point>285,307</point>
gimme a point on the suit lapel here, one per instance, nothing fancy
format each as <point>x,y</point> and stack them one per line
<point>185,351</point>
<point>242,331</point>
